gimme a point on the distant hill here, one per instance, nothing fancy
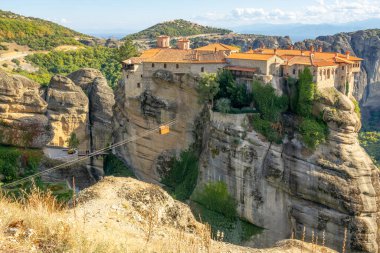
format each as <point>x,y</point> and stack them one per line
<point>178,27</point>
<point>36,33</point>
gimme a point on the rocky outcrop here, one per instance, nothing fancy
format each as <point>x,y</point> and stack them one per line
<point>169,97</point>
<point>287,187</point>
<point>101,102</point>
<point>22,109</point>
<point>67,110</point>
<point>364,44</point>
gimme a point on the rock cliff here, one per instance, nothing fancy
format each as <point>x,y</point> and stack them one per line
<point>67,110</point>
<point>22,113</point>
<point>287,187</point>
<point>169,97</point>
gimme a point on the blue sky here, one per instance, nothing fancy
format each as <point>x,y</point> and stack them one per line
<point>99,16</point>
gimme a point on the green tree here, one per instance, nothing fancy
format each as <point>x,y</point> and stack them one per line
<point>228,88</point>
<point>208,87</point>
<point>73,141</point>
<point>268,102</point>
<point>127,50</point>
<point>306,89</point>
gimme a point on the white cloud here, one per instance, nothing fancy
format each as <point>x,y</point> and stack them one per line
<point>321,11</point>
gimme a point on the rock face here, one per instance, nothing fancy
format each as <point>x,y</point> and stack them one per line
<point>67,110</point>
<point>167,97</point>
<point>287,187</point>
<point>101,102</point>
<point>246,41</point>
<point>364,44</point>
<point>22,109</point>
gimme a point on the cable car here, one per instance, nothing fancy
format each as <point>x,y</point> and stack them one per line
<point>164,129</point>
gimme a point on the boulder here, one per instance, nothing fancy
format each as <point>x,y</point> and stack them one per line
<point>22,109</point>
<point>67,110</point>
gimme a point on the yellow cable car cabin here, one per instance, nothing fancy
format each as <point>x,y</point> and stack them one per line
<point>164,130</point>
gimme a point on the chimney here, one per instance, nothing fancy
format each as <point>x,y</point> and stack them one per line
<point>183,44</point>
<point>302,52</point>
<point>320,49</point>
<point>275,51</point>
<point>312,48</point>
<point>216,50</point>
<point>163,41</point>
<point>249,48</point>
<point>348,54</point>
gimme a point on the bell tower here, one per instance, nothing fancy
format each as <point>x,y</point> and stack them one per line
<point>163,41</point>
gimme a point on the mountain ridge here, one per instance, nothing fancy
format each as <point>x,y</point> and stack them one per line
<point>38,34</point>
<point>177,27</point>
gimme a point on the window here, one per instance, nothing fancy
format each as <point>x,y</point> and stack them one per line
<point>328,74</point>
<point>138,85</point>
<point>177,66</point>
<point>294,71</point>
<point>165,66</point>
<point>202,69</point>
<point>152,65</point>
<point>141,75</point>
<point>342,67</point>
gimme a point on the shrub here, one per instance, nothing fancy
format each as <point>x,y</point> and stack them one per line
<point>267,128</point>
<point>357,108</point>
<point>181,178</point>
<point>5,65</point>
<point>3,47</point>
<point>267,102</point>
<point>113,166</point>
<point>214,196</point>
<point>16,61</point>
<point>228,88</point>
<point>223,105</point>
<point>313,132</point>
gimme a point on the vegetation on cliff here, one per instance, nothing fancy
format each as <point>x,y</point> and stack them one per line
<point>107,60</point>
<point>178,27</point>
<point>113,166</point>
<point>36,33</point>
<point>16,163</point>
<point>181,178</point>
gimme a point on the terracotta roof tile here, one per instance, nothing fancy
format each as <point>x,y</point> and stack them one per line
<point>218,47</point>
